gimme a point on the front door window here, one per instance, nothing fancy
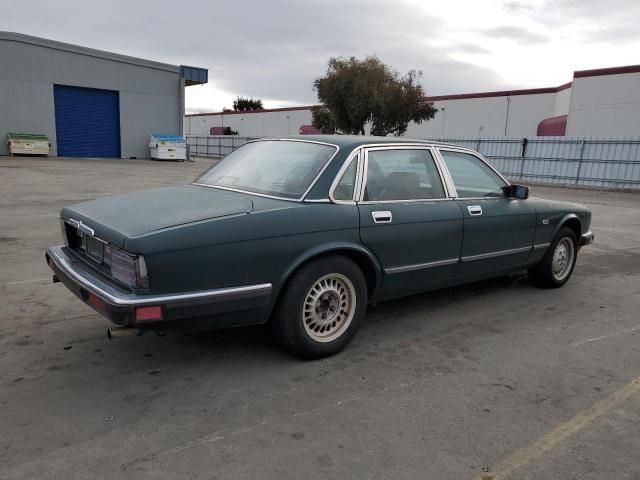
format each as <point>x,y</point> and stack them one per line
<point>471,176</point>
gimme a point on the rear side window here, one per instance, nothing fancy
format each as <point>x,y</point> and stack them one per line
<point>402,174</point>
<point>282,168</point>
<point>346,185</point>
<point>471,176</point>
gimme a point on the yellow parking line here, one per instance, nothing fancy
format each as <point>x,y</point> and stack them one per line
<point>527,455</point>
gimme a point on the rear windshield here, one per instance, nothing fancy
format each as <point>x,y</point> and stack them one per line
<point>272,167</point>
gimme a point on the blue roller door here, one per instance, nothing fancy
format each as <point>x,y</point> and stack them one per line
<point>87,122</point>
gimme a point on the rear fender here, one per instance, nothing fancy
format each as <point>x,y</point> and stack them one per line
<point>337,248</point>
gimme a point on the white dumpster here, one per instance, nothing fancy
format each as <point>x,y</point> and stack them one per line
<point>28,144</point>
<point>168,147</point>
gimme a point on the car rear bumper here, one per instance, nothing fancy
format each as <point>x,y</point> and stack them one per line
<point>121,306</point>
<point>586,239</point>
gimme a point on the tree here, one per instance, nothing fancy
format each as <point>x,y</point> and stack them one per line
<point>355,92</point>
<point>322,118</point>
<point>242,104</point>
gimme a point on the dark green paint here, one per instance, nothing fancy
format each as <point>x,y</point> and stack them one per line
<point>198,238</point>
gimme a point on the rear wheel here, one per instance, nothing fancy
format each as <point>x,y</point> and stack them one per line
<point>321,307</point>
<point>558,262</point>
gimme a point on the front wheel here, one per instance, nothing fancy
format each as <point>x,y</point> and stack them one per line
<point>558,262</point>
<point>321,307</point>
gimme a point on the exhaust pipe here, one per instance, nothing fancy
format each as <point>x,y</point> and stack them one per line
<point>117,332</point>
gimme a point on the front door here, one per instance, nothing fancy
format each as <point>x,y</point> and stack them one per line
<point>498,231</point>
<point>407,219</point>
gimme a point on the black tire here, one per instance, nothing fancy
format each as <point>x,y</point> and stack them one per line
<point>542,274</point>
<point>293,319</point>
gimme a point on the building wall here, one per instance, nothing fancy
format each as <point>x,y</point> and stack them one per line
<point>29,67</point>
<point>513,115</point>
<point>256,124</point>
<point>605,106</point>
<point>519,114</point>
<point>599,103</point>
<point>563,101</point>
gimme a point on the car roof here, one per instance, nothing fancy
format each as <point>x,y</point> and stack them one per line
<point>353,141</point>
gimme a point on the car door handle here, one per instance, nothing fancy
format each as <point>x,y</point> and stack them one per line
<point>384,216</point>
<point>474,210</point>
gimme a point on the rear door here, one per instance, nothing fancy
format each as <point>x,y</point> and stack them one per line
<point>498,231</point>
<point>407,218</point>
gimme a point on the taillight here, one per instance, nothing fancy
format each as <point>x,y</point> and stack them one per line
<point>127,268</point>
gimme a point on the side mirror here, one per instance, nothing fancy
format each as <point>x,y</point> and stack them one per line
<point>519,192</point>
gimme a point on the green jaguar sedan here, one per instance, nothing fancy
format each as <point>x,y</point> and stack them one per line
<point>302,234</point>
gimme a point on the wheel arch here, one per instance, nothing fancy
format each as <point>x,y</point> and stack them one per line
<point>365,260</point>
<point>572,221</point>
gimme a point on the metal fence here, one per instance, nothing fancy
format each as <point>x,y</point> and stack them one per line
<point>215,146</point>
<point>611,163</point>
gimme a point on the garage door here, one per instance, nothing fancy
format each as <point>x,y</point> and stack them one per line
<point>87,122</point>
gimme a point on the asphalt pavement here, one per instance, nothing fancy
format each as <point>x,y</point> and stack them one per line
<point>492,380</point>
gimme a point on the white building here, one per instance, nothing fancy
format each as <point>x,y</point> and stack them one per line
<point>599,103</point>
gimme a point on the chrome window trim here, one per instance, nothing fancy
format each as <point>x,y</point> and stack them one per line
<point>276,197</point>
<point>451,187</point>
<point>483,198</point>
<point>399,146</point>
<point>353,156</point>
<point>498,253</point>
<point>420,266</point>
<point>419,200</point>
<point>479,157</point>
<point>237,190</point>
<point>360,175</point>
<point>115,297</point>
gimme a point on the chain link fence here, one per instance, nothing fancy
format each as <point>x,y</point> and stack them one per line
<point>611,163</point>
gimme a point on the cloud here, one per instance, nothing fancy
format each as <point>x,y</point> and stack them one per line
<point>472,48</point>
<point>274,50</point>
<point>516,34</point>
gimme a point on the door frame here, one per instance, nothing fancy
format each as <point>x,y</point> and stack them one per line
<point>452,186</point>
<point>360,155</point>
<point>443,173</point>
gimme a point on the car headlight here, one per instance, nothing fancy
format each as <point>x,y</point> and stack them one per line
<point>127,268</point>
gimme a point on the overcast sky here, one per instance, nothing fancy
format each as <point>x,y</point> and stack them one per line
<point>274,49</point>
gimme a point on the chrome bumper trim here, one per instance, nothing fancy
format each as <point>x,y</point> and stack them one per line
<point>83,277</point>
<point>587,238</point>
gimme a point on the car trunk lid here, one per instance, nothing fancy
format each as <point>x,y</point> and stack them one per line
<point>116,218</point>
